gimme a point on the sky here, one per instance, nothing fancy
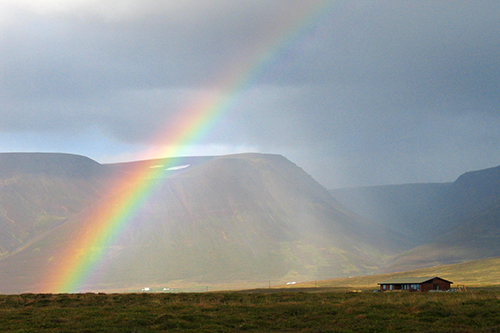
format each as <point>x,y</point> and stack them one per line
<point>356,93</point>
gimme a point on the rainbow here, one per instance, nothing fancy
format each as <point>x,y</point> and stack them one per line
<point>103,226</point>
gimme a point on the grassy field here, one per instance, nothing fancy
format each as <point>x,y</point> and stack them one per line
<point>271,310</point>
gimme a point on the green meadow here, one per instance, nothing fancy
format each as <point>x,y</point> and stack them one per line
<point>271,310</point>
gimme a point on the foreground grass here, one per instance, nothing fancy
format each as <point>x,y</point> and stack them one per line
<point>252,311</point>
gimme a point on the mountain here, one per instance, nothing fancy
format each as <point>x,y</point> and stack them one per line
<point>449,223</point>
<point>213,220</point>
<point>470,211</point>
<point>246,217</point>
<point>39,191</point>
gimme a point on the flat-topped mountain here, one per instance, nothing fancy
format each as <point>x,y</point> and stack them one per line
<point>247,217</point>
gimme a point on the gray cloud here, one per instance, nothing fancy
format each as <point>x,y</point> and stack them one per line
<point>365,92</point>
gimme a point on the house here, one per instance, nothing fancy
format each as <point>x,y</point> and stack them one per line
<point>415,284</point>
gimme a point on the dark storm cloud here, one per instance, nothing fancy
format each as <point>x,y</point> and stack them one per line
<point>92,57</point>
<point>170,46</point>
<point>367,92</point>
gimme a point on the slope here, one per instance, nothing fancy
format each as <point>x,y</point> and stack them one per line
<point>449,223</point>
<point>471,216</point>
<point>39,191</point>
<point>248,217</point>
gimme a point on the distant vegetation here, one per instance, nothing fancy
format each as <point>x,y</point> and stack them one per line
<point>253,312</point>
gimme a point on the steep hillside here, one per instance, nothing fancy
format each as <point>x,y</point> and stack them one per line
<point>469,220</point>
<point>248,217</point>
<point>449,223</point>
<point>40,191</point>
